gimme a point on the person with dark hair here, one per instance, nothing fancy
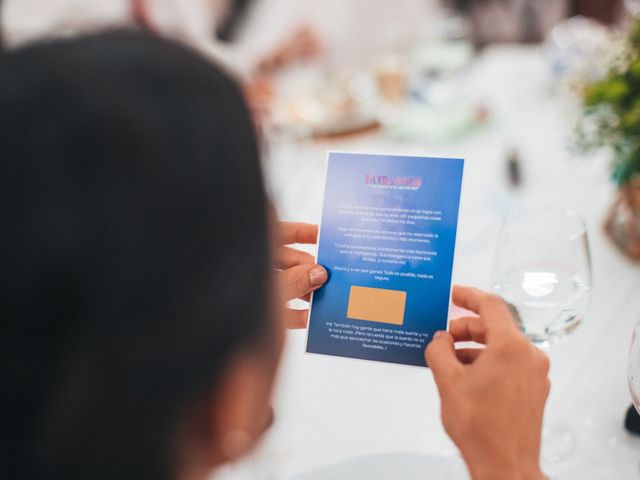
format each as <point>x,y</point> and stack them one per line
<point>142,316</point>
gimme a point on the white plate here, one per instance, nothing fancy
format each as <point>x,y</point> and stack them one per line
<point>393,466</point>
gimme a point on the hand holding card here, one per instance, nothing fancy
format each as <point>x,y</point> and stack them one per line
<point>492,398</point>
<point>297,271</point>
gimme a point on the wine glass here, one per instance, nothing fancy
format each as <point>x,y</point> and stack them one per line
<point>633,378</point>
<point>633,366</point>
<point>542,270</point>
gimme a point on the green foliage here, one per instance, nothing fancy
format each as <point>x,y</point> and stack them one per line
<point>612,112</point>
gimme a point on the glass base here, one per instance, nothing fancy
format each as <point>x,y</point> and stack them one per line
<point>569,320</point>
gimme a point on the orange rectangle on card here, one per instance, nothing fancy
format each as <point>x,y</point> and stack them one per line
<point>377,305</point>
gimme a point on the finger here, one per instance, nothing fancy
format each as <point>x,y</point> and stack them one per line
<point>468,298</point>
<point>300,280</point>
<point>287,257</point>
<point>467,329</point>
<point>494,312</point>
<point>468,355</point>
<point>441,358</point>
<point>296,232</point>
<point>296,319</point>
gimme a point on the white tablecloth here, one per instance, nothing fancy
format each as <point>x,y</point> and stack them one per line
<point>331,409</point>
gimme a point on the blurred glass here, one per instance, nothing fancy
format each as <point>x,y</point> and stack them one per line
<point>438,62</point>
<point>633,7</point>
<point>390,71</point>
<point>578,47</point>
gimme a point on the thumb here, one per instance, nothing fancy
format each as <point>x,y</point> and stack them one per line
<point>300,280</point>
<point>441,358</point>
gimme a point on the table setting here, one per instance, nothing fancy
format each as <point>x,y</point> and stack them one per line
<point>533,205</point>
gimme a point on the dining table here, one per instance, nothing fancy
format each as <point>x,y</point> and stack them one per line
<point>339,418</point>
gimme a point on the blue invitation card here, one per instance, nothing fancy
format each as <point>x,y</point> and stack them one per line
<point>387,239</point>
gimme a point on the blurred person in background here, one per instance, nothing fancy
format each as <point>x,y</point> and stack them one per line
<point>351,31</point>
<point>254,39</point>
<point>210,26</point>
<point>248,36</point>
<point>142,317</point>
<point>529,21</point>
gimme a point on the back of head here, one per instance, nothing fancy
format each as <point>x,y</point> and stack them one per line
<point>133,227</point>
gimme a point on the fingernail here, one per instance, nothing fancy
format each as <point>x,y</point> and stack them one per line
<point>437,334</point>
<point>317,276</point>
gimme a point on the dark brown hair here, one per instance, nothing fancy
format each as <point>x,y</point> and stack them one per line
<point>134,251</point>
